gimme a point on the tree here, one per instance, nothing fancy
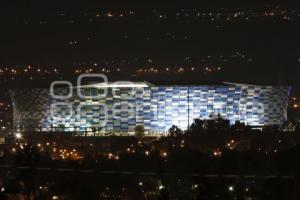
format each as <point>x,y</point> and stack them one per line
<point>215,123</point>
<point>96,130</point>
<point>61,127</point>
<point>240,127</point>
<point>222,124</point>
<point>297,127</point>
<point>139,131</point>
<point>270,129</point>
<point>197,126</point>
<point>175,131</point>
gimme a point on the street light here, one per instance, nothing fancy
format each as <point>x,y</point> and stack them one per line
<point>18,135</point>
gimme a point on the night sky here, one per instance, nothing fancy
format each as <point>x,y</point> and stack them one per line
<point>253,41</point>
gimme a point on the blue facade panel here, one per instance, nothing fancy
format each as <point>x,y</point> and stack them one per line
<point>155,108</point>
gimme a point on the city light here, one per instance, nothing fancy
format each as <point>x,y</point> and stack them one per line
<point>217,153</point>
<point>161,187</point>
<point>18,136</point>
<point>231,188</point>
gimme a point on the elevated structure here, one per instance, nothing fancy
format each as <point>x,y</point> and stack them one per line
<point>119,107</point>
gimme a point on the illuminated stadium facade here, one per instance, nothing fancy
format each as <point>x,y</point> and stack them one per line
<point>119,108</point>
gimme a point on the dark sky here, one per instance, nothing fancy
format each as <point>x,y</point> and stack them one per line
<point>174,32</point>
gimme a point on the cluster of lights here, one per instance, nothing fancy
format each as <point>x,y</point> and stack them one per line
<point>73,154</point>
<point>58,152</point>
<point>231,144</point>
<point>203,65</point>
<point>5,115</point>
<point>66,154</point>
<point>55,152</point>
<point>150,70</point>
<point>5,106</point>
<point>182,144</point>
<point>97,70</point>
<point>131,149</point>
<point>177,70</point>
<point>111,156</point>
<point>223,15</point>
<point>108,194</point>
<point>19,147</point>
<point>203,60</point>
<point>217,153</point>
<point>29,71</point>
<point>295,103</point>
<point>19,72</point>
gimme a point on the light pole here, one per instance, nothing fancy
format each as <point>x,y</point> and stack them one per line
<point>241,106</point>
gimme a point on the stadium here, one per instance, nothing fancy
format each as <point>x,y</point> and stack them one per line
<point>120,107</point>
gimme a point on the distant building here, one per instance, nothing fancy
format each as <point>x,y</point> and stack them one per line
<point>119,108</point>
